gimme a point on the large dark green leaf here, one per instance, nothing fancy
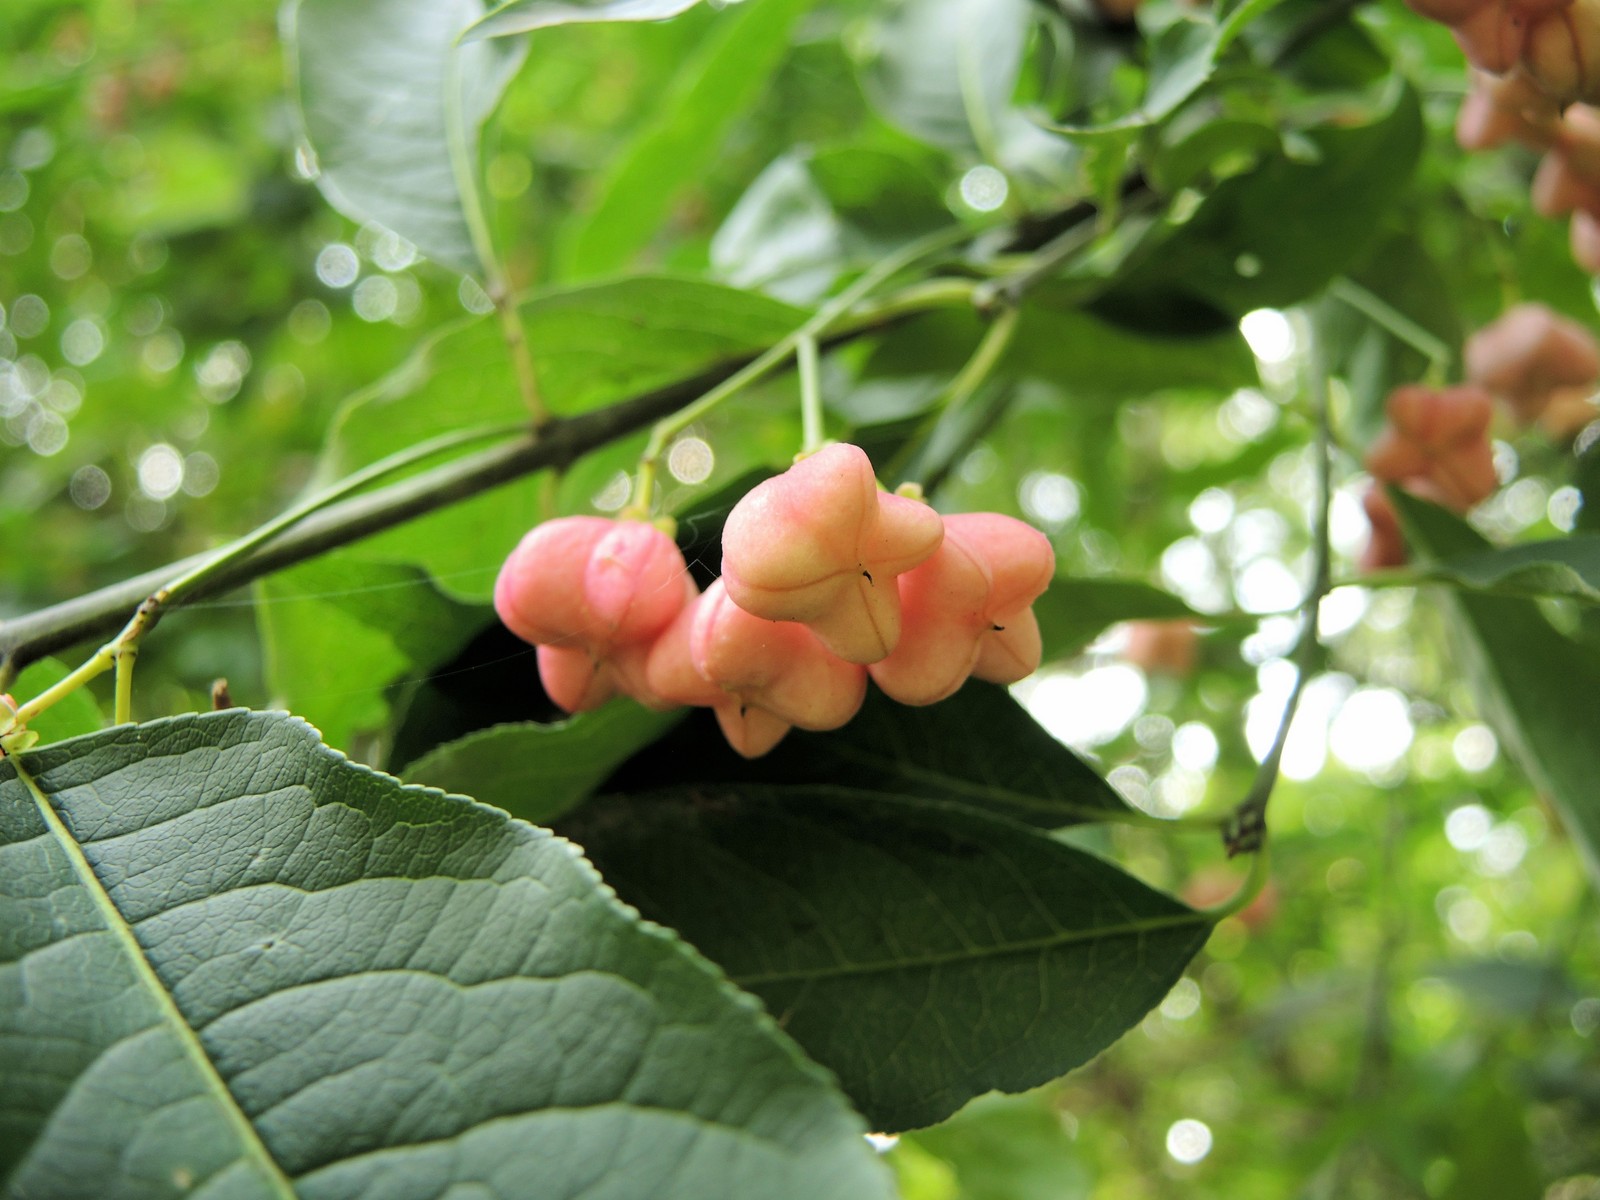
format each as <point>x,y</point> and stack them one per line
<point>234,964</point>
<point>391,107</point>
<point>979,748</point>
<point>1539,689</point>
<point>925,952</point>
<point>713,89</point>
<point>537,772</point>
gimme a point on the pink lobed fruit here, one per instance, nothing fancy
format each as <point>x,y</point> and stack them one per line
<point>1163,647</point>
<point>822,545</point>
<point>1529,353</point>
<point>1558,189</point>
<point>593,594</point>
<point>1584,237</point>
<point>1500,109</point>
<point>1561,51</point>
<point>1386,545</point>
<point>1439,436</point>
<point>1577,136</point>
<point>968,610</point>
<point>1492,37</point>
<point>761,677</point>
<point>1569,411</point>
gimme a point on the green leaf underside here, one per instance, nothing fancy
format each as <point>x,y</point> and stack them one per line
<point>537,772</point>
<point>944,70</point>
<point>591,345</point>
<point>390,106</point>
<point>1183,57</point>
<point>925,952</point>
<point>1539,689</point>
<point>338,629</point>
<point>1565,567</point>
<point>711,92</point>
<point>232,963</point>
<point>524,16</point>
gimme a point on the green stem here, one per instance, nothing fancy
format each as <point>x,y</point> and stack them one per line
<point>810,396</point>
<point>779,352</point>
<point>1053,255</point>
<point>996,341</point>
<point>1248,890</point>
<point>370,474</point>
<point>465,172</point>
<point>126,656</point>
<point>1247,827</point>
<point>104,659</point>
<point>1393,321</point>
<point>516,340</point>
<point>122,650</point>
<point>908,463</point>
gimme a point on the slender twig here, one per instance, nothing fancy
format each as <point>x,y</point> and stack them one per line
<point>122,651</point>
<point>908,464</point>
<point>1254,881</point>
<point>1050,258</point>
<point>465,172</point>
<point>516,340</point>
<point>805,357</point>
<point>1248,826</point>
<point>784,348</point>
<point>1395,322</point>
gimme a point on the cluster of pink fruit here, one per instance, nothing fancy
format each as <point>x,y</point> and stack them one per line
<point>1542,367</point>
<point>1551,42</point>
<point>1535,81</point>
<point>826,579</point>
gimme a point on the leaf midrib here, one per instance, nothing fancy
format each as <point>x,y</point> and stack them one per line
<point>1052,941</point>
<point>249,1139</point>
<point>980,791</point>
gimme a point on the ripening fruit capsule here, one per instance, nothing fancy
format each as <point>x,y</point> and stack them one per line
<point>1438,437</point>
<point>822,545</point>
<point>1386,544</point>
<point>1562,51</point>
<point>1500,109</point>
<point>761,677</point>
<point>593,594</point>
<point>1163,647</point>
<point>1528,354</point>
<point>968,610</point>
